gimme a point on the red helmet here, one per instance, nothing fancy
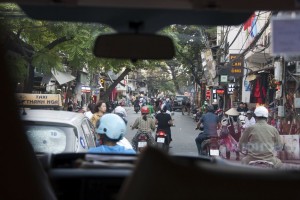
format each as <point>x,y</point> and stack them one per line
<point>145,110</point>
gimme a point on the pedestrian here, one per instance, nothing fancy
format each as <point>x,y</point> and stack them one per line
<point>99,111</point>
<point>112,129</point>
<point>90,110</point>
<point>234,127</point>
<point>249,120</point>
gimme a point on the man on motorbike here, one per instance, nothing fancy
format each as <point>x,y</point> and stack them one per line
<point>111,130</point>
<point>164,122</point>
<point>260,140</point>
<point>145,124</point>
<point>210,124</point>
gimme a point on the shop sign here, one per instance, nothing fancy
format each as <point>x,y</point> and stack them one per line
<point>224,78</point>
<point>237,65</point>
<point>85,89</point>
<point>230,88</point>
<point>39,100</point>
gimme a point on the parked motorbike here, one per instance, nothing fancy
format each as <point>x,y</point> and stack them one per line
<point>162,140</point>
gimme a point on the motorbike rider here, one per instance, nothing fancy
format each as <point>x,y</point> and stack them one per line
<point>210,124</point>
<point>261,139</point>
<point>111,130</point>
<point>164,122</point>
<point>145,124</point>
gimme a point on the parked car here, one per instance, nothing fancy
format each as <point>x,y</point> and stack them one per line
<point>179,100</point>
<point>57,131</point>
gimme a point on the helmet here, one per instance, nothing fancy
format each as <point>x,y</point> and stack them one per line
<point>121,110</point>
<point>261,111</point>
<point>210,108</point>
<point>145,110</point>
<point>113,126</point>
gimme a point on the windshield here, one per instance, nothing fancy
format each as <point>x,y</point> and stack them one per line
<point>225,73</point>
<point>51,139</point>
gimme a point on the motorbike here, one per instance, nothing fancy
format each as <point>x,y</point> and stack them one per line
<point>136,108</point>
<point>210,146</point>
<point>143,140</point>
<point>162,140</point>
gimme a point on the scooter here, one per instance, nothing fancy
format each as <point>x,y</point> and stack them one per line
<point>136,108</point>
<point>162,140</point>
<point>143,140</point>
<point>210,146</point>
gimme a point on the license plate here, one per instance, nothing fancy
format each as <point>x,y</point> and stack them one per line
<point>194,115</point>
<point>179,103</point>
<point>142,144</point>
<point>160,140</point>
<point>214,152</point>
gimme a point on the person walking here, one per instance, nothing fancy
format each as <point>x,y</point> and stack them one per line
<point>99,111</point>
<point>234,127</point>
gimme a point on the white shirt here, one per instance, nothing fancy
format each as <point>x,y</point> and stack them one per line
<point>89,114</point>
<point>125,143</point>
<point>249,122</point>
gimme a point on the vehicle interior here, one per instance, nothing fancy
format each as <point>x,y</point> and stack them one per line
<point>152,174</point>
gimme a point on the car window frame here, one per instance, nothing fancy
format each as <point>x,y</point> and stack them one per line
<point>91,132</point>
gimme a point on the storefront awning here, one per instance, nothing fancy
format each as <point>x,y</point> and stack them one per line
<point>62,77</point>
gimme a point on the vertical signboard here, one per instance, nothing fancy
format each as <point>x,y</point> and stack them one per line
<point>237,65</point>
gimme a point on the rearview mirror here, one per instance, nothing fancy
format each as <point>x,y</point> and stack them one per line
<point>134,46</point>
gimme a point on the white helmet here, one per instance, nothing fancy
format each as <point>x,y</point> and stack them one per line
<point>261,111</point>
<point>121,110</point>
<point>113,126</point>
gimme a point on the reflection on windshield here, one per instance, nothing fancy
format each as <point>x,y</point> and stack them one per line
<point>49,139</point>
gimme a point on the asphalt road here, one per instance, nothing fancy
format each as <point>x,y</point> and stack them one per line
<point>183,133</point>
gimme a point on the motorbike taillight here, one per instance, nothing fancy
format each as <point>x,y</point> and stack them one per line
<point>142,137</point>
<point>160,133</point>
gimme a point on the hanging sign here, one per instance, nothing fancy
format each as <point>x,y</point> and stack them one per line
<point>237,65</point>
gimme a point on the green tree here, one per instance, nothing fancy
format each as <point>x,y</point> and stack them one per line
<point>189,42</point>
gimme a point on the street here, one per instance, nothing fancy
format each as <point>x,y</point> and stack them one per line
<point>183,133</point>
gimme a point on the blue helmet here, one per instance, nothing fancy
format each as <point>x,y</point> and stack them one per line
<point>113,126</point>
